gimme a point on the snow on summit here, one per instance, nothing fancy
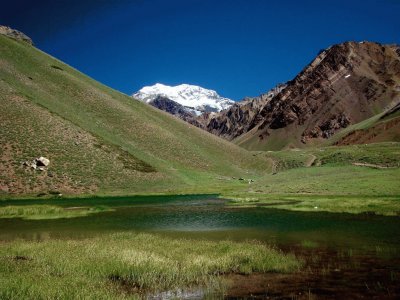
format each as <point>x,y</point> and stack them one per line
<point>190,96</point>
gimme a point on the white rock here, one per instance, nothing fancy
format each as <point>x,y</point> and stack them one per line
<point>42,161</point>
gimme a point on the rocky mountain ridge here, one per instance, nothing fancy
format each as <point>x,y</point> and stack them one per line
<point>175,109</point>
<point>15,34</point>
<point>346,84</point>
<point>238,119</point>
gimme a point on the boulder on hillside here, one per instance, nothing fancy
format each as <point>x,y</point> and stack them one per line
<point>42,161</point>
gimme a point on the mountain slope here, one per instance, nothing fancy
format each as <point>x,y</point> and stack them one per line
<point>175,109</point>
<point>239,118</point>
<point>380,128</point>
<point>345,85</point>
<point>97,139</point>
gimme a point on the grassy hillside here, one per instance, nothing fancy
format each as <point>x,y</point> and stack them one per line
<point>381,127</point>
<point>356,178</point>
<point>97,139</point>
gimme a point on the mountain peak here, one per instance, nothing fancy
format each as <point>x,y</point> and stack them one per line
<point>190,96</point>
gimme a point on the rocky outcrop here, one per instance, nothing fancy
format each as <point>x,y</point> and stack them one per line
<point>40,163</point>
<point>176,109</point>
<point>15,34</point>
<point>346,84</point>
<point>240,117</point>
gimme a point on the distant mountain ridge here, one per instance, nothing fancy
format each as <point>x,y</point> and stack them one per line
<point>344,85</point>
<point>238,118</point>
<point>176,109</point>
<point>195,99</point>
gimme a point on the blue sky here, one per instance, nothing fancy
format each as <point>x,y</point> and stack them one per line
<point>238,48</point>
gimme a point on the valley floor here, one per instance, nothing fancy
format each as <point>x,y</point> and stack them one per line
<point>361,179</point>
<point>346,179</point>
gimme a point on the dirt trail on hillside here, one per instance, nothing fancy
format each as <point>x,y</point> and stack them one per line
<point>371,166</point>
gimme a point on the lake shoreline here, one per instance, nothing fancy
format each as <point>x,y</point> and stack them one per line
<point>130,265</point>
<point>386,205</point>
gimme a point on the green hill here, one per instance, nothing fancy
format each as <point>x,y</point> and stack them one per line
<point>99,140</point>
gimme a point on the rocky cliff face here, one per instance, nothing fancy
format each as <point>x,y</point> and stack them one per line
<point>176,109</point>
<point>344,85</point>
<point>15,34</point>
<point>239,118</point>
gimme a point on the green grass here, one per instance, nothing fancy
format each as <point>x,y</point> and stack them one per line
<point>381,205</point>
<point>40,212</point>
<point>309,244</point>
<point>331,188</point>
<point>127,265</point>
<point>332,183</point>
<point>382,154</point>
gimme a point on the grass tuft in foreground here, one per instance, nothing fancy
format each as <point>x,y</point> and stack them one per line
<point>127,265</point>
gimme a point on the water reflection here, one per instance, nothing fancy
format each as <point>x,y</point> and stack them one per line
<point>205,216</point>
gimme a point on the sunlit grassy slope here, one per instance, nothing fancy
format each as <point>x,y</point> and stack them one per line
<point>99,140</point>
<point>355,178</point>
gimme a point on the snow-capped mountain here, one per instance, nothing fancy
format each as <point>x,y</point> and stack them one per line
<point>195,98</point>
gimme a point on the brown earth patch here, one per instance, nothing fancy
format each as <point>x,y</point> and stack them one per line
<point>327,275</point>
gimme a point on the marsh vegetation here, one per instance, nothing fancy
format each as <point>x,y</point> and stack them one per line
<point>193,245</point>
<point>128,265</point>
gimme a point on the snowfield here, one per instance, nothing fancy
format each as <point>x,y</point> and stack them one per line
<point>191,96</point>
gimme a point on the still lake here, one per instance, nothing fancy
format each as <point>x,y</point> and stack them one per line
<point>363,249</point>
